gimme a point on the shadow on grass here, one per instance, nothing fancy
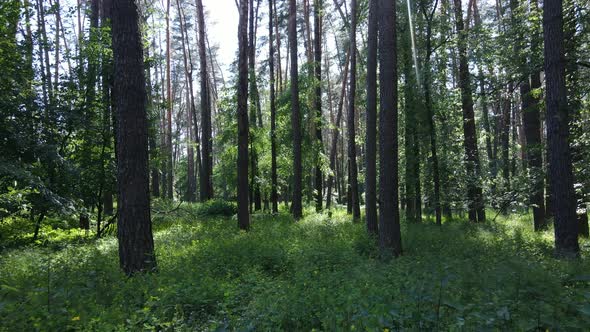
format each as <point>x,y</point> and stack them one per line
<point>321,272</point>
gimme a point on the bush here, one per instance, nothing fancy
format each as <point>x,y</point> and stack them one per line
<point>216,207</point>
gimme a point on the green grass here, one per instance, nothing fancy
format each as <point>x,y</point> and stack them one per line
<point>320,273</point>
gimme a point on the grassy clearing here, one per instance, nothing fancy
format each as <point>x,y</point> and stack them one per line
<point>320,273</point>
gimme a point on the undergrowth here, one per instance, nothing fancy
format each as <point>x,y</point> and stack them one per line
<point>321,273</point>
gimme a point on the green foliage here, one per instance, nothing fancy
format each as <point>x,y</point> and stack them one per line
<point>320,273</point>
<point>216,207</point>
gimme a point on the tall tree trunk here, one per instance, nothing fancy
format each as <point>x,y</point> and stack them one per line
<point>318,9</point>
<point>207,159</point>
<point>335,134</point>
<point>297,208</point>
<point>28,41</point>
<point>46,73</point>
<point>411,141</point>
<point>389,226</point>
<point>255,197</point>
<point>532,131</point>
<point>108,105</point>
<point>134,228</point>
<point>188,72</point>
<point>474,191</point>
<point>278,39</point>
<point>352,164</point>
<point>57,43</point>
<point>169,156</point>
<point>429,16</point>
<point>371,118</point>
<point>92,59</point>
<point>560,164</point>
<point>273,111</point>
<point>242,96</point>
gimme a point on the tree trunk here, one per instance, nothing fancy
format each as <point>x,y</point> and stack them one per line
<point>350,121</point>
<point>474,190</point>
<point>207,159</point>
<point>273,111</point>
<point>335,134</point>
<point>318,99</point>
<point>278,39</point>
<point>560,165</point>
<point>430,113</point>
<point>134,228</point>
<point>255,197</point>
<point>371,118</point>
<point>413,200</point>
<point>532,129</point>
<point>188,72</point>
<point>389,226</point>
<point>297,208</point>
<point>242,96</point>
<point>169,156</point>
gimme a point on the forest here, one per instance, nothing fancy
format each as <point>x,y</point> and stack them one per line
<point>294,165</point>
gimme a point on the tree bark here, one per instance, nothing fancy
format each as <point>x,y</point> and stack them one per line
<point>188,72</point>
<point>560,164</point>
<point>318,15</point>
<point>335,134</point>
<point>389,226</point>
<point>134,228</point>
<point>474,190</point>
<point>273,111</point>
<point>169,168</point>
<point>371,118</point>
<point>430,118</point>
<point>242,96</point>
<point>207,159</point>
<point>297,208</point>
<point>350,121</point>
<point>255,119</point>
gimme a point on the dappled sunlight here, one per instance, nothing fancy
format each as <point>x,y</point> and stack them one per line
<point>320,272</point>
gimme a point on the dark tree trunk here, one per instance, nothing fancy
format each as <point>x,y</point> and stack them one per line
<point>335,134</point>
<point>318,99</point>
<point>532,131</point>
<point>474,190</point>
<point>255,119</point>
<point>242,96</point>
<point>207,160</point>
<point>188,72</point>
<point>273,111</point>
<point>429,16</point>
<point>583,229</point>
<point>297,208</point>
<point>278,39</point>
<point>350,121</point>
<point>560,164</point>
<point>389,226</point>
<point>169,167</point>
<point>371,118</point>
<point>411,142</point>
<point>533,155</point>
<point>134,227</point>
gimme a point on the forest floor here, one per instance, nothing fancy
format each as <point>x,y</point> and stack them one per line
<point>321,273</point>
